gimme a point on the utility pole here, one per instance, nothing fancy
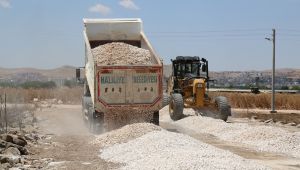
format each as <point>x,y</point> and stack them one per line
<point>5,112</point>
<point>273,39</point>
<point>273,74</point>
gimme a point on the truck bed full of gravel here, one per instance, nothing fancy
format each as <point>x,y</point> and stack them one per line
<point>168,150</point>
<point>119,53</point>
<point>259,137</point>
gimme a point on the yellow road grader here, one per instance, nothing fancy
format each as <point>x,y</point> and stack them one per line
<point>187,88</point>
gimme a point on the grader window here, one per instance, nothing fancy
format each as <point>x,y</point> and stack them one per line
<point>192,69</point>
<point>195,69</point>
<point>182,69</point>
<point>178,69</point>
<point>187,68</point>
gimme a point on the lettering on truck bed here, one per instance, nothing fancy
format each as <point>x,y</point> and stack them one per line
<point>128,87</point>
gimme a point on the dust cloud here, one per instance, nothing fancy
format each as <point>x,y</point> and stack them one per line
<point>62,120</point>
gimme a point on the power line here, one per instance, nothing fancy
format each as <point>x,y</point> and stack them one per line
<point>212,31</point>
<point>294,35</point>
<point>289,30</point>
<point>234,34</point>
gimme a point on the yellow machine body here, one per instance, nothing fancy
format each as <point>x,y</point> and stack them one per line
<point>187,89</point>
<point>193,92</point>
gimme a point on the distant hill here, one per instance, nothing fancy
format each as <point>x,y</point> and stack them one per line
<point>69,72</point>
<point>285,72</point>
<point>287,77</point>
<point>56,73</point>
<point>281,72</point>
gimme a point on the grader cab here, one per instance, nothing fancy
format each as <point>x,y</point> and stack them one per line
<point>188,86</point>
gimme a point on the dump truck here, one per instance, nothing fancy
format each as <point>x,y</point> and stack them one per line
<point>119,94</point>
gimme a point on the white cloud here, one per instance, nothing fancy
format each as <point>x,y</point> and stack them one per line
<point>100,8</point>
<point>5,3</point>
<point>129,4</point>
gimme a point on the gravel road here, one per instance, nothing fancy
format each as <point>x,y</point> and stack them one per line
<point>66,141</point>
<point>167,150</point>
<point>271,144</point>
<point>68,144</point>
<point>259,137</point>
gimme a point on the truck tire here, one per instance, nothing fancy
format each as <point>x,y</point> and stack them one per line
<point>90,121</point>
<point>224,109</point>
<point>166,99</point>
<point>155,119</point>
<point>176,106</point>
<point>86,108</point>
<point>95,122</point>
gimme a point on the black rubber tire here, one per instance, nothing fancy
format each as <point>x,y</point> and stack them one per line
<point>91,121</point>
<point>86,108</point>
<point>95,124</point>
<point>155,119</point>
<point>224,109</point>
<point>176,106</point>
<point>166,99</point>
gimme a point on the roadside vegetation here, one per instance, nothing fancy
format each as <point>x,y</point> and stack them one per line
<point>262,101</point>
<point>26,92</point>
<point>71,93</point>
<point>30,84</point>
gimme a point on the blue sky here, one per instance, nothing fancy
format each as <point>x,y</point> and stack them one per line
<point>229,33</point>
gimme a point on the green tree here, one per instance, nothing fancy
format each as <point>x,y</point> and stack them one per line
<point>284,87</point>
<point>70,83</point>
<point>295,88</point>
<point>38,85</point>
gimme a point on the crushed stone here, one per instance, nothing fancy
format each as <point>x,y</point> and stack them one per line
<point>124,134</point>
<point>117,118</point>
<point>167,150</point>
<point>258,137</point>
<point>119,53</point>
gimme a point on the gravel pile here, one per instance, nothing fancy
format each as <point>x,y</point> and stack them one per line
<point>124,134</point>
<point>165,116</point>
<point>167,150</point>
<point>259,137</point>
<point>118,53</point>
<point>116,118</point>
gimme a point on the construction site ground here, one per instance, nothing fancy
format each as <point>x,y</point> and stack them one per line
<point>200,142</point>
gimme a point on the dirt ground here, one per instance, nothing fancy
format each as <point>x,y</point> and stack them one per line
<point>283,116</point>
<point>66,142</point>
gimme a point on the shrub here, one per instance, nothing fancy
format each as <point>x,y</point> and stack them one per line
<point>263,100</point>
<point>38,84</point>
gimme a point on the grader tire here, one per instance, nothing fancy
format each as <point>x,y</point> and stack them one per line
<point>166,99</point>
<point>176,106</point>
<point>224,109</point>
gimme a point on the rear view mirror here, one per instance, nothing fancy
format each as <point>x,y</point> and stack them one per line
<point>204,68</point>
<point>79,79</point>
<point>77,74</point>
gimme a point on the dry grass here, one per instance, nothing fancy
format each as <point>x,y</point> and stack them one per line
<point>73,95</point>
<point>247,100</point>
<point>19,95</point>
